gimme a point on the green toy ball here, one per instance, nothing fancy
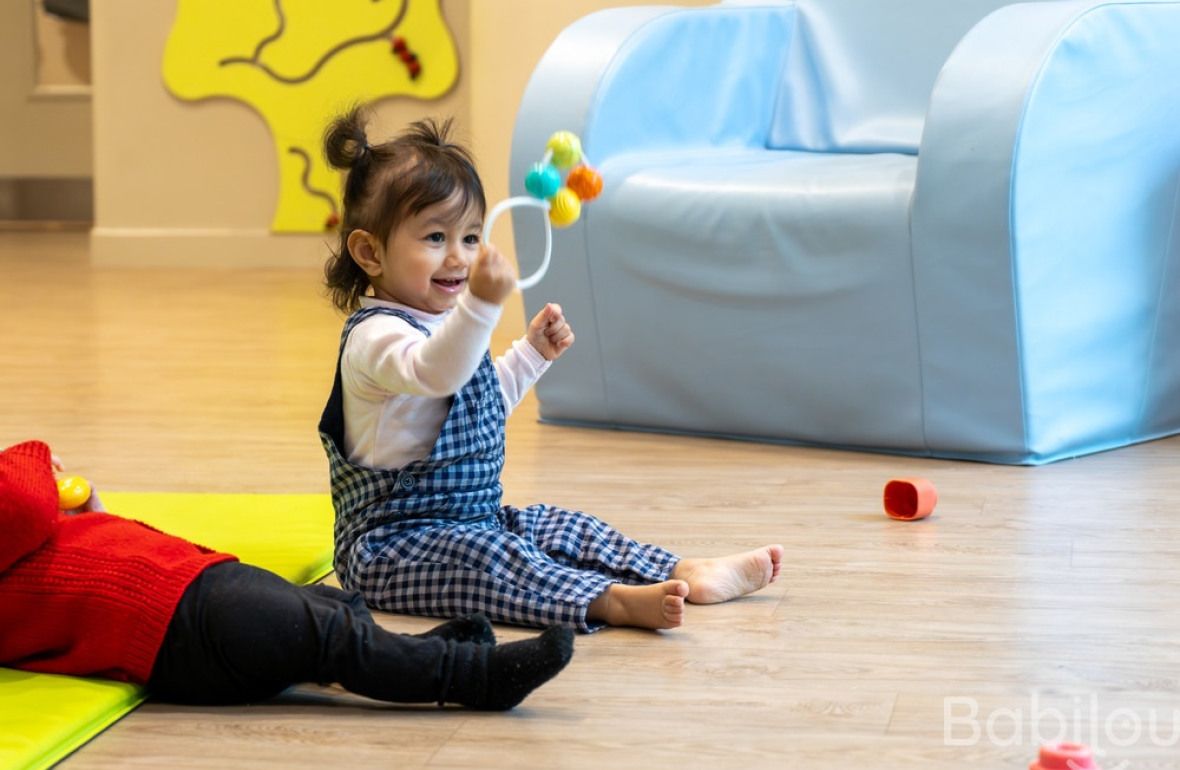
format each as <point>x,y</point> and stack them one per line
<point>566,148</point>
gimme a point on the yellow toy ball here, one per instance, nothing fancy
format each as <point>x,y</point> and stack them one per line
<point>566,148</point>
<point>564,208</point>
<point>72,492</point>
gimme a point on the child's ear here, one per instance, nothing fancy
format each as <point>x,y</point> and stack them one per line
<point>365,251</point>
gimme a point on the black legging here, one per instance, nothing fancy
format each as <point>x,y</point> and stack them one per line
<point>242,634</point>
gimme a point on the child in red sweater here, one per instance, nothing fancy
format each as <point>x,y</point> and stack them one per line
<point>92,594</point>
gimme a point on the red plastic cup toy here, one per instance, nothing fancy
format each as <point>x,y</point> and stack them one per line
<point>909,499</point>
<point>1064,756</point>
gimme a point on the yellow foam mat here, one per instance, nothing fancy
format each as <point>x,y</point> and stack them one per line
<point>44,717</point>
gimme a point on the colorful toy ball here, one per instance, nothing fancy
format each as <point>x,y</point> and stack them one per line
<point>566,148</point>
<point>72,492</point>
<point>585,182</point>
<point>564,208</point>
<point>543,181</point>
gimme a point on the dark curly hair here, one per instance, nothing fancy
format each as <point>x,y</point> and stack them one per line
<point>388,183</point>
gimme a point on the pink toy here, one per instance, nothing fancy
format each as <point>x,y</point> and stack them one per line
<point>1064,756</point>
<point>909,499</point>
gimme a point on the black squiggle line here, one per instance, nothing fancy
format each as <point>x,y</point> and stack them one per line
<point>253,61</point>
<point>264,42</point>
<point>304,179</point>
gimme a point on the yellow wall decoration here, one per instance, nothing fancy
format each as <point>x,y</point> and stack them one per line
<point>300,62</point>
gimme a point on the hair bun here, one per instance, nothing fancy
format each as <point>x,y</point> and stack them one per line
<point>345,144</point>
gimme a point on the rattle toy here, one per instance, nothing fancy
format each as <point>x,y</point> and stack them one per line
<point>909,499</point>
<point>562,203</point>
<point>72,492</point>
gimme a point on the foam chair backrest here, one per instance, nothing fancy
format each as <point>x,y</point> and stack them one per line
<point>859,73</point>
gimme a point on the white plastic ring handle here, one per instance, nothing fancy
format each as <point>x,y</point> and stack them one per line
<point>524,200</point>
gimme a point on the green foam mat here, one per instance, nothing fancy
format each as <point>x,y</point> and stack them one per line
<point>45,717</point>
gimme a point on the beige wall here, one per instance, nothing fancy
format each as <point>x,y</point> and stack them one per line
<point>63,50</point>
<point>196,182</point>
<point>45,128</point>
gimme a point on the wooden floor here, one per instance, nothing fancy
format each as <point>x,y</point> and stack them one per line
<point>1034,603</point>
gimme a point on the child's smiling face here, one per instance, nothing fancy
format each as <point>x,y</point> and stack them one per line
<point>424,262</point>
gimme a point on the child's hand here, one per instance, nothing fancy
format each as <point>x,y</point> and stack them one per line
<point>94,504</point>
<point>491,278</point>
<point>550,333</point>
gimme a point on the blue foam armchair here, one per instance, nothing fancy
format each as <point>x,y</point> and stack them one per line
<point>915,226</point>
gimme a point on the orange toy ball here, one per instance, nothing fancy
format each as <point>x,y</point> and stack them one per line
<point>585,182</point>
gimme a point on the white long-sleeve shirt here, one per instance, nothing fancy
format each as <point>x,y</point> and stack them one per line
<point>398,382</point>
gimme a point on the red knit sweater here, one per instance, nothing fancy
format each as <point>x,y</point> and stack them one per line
<point>89,594</point>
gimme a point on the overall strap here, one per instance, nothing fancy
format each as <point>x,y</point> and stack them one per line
<point>332,418</point>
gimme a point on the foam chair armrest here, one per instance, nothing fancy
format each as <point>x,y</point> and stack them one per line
<point>657,78</point>
<point>1042,217</point>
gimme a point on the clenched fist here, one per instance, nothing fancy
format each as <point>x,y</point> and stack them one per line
<point>492,277</point>
<point>550,333</point>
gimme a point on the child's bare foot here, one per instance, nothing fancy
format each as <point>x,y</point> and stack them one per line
<point>718,580</point>
<point>654,606</point>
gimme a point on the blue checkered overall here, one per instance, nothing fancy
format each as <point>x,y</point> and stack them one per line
<point>432,538</point>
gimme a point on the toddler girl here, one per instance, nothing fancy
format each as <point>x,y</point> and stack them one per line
<point>414,426</point>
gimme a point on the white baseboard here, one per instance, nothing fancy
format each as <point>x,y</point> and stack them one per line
<point>141,247</point>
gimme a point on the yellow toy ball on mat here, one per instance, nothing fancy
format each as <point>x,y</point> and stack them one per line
<point>72,492</point>
<point>566,148</point>
<point>564,208</point>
